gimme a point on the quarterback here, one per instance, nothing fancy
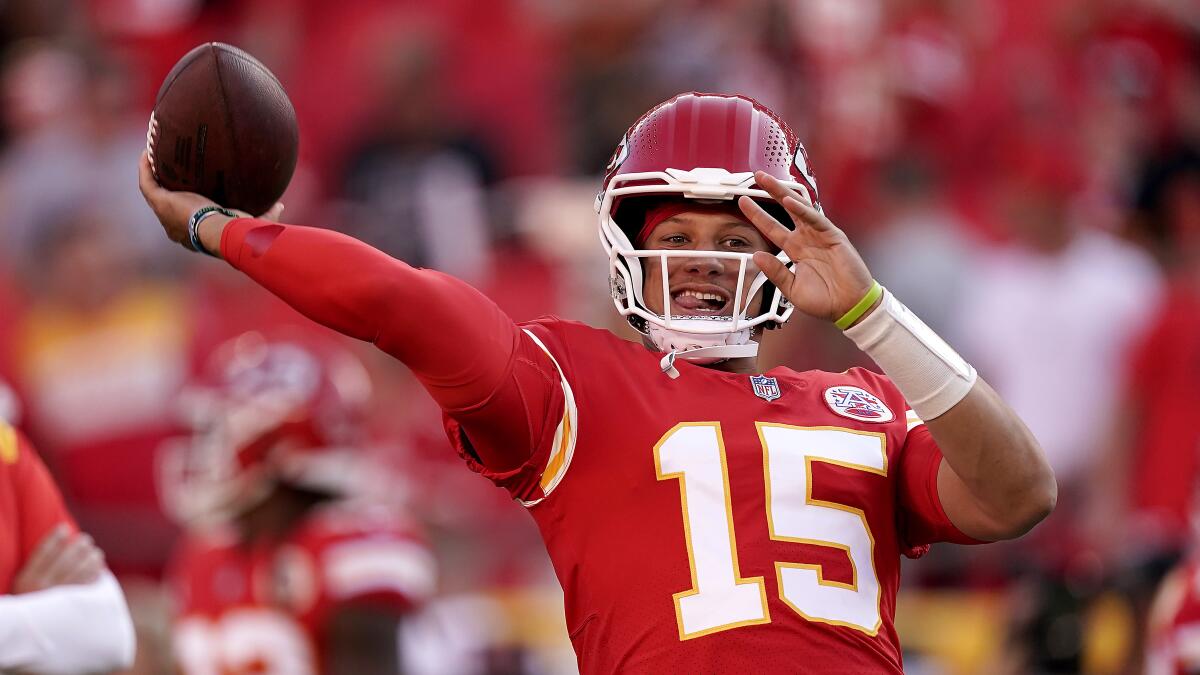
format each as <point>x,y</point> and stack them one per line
<point>701,515</point>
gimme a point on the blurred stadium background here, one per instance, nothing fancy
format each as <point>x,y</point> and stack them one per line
<point>1025,174</point>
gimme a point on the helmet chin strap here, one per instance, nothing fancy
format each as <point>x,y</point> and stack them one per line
<point>713,354</point>
<point>700,348</point>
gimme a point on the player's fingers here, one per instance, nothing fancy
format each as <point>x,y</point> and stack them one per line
<point>47,549</point>
<point>803,212</point>
<point>775,187</point>
<point>795,203</point>
<point>86,569</point>
<point>73,554</point>
<point>150,188</point>
<point>274,213</point>
<point>772,229</point>
<point>32,576</point>
<point>775,270</point>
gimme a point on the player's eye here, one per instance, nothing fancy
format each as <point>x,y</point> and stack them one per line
<point>736,242</point>
<point>674,239</point>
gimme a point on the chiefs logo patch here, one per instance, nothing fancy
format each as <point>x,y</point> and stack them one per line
<point>857,404</point>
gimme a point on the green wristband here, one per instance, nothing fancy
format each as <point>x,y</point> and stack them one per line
<point>861,308</point>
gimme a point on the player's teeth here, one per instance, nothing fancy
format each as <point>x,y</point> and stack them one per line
<point>701,296</point>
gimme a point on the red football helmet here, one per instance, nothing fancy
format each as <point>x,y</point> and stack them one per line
<point>285,410</point>
<point>703,147</point>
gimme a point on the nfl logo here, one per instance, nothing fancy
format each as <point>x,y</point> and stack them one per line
<point>766,388</point>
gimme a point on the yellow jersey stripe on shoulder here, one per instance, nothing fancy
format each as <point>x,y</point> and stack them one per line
<point>9,447</point>
<point>563,447</point>
<point>913,420</point>
<point>558,456</point>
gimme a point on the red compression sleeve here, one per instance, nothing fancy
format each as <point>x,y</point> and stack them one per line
<point>456,341</point>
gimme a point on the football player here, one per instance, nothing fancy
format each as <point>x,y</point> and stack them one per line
<point>61,610</point>
<point>280,571</point>
<point>702,515</point>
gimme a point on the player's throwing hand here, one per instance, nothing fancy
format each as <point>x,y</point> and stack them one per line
<point>174,209</point>
<point>829,276</point>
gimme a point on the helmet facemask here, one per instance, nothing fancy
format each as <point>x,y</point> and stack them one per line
<point>707,148</point>
<point>682,333</point>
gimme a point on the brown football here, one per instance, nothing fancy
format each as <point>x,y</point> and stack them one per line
<point>222,126</point>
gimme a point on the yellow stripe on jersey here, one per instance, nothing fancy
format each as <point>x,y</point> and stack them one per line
<point>559,456</point>
<point>913,420</point>
<point>563,448</point>
<point>8,443</point>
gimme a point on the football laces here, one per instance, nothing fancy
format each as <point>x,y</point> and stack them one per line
<point>152,140</point>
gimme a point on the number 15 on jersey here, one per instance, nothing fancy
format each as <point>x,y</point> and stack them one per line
<point>720,598</point>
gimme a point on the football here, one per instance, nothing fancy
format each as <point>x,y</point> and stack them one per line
<point>222,126</point>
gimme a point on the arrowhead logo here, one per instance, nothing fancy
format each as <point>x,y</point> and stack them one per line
<point>857,404</point>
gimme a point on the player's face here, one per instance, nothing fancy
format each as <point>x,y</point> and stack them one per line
<point>701,285</point>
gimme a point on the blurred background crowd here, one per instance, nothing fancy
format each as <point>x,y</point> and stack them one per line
<point>1024,174</point>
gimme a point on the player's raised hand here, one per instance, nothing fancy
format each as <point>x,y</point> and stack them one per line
<point>60,558</point>
<point>174,208</point>
<point>829,277</point>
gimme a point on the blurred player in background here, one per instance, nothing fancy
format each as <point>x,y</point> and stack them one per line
<point>1173,640</point>
<point>61,610</point>
<point>1172,634</point>
<point>701,515</point>
<point>1161,462</point>
<point>285,567</point>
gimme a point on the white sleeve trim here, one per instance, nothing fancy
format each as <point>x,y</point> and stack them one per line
<point>361,567</point>
<point>67,629</point>
<point>563,449</point>
<point>912,420</point>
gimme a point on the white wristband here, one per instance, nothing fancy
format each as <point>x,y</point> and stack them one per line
<point>930,374</point>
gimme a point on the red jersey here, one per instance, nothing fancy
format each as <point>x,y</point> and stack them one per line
<point>30,504</point>
<point>714,523</point>
<point>263,607</point>
<point>721,522</point>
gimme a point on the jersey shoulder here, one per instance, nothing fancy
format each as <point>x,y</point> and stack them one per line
<point>11,445</point>
<point>553,324</point>
<point>859,394</point>
<point>583,353</point>
<point>202,547</point>
<point>563,337</point>
<point>361,553</point>
<point>39,503</point>
<point>17,454</point>
<point>346,520</point>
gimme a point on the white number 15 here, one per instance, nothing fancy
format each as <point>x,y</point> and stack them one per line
<point>720,598</point>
